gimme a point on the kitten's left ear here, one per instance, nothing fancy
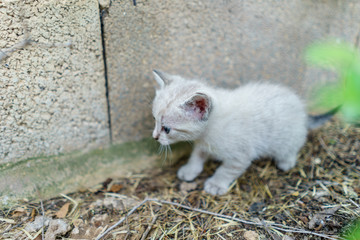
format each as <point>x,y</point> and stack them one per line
<point>160,78</point>
<point>198,106</point>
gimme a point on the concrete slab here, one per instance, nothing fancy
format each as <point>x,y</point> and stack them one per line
<point>227,42</point>
<point>46,177</point>
<point>52,95</point>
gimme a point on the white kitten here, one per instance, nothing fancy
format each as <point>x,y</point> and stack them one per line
<point>233,126</point>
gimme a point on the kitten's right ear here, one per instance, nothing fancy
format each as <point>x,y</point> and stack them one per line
<point>160,78</point>
<point>198,106</point>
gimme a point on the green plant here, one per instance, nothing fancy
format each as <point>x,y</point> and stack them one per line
<point>354,231</point>
<point>344,59</point>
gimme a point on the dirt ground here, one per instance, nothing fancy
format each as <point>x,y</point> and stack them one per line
<point>318,199</point>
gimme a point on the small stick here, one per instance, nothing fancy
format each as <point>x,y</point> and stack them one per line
<point>43,220</point>
<point>149,228</point>
<point>123,219</point>
<point>357,205</point>
<point>330,153</point>
<point>15,226</point>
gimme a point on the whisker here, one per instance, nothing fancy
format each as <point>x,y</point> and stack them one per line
<point>160,150</point>
<point>170,158</point>
<point>163,155</point>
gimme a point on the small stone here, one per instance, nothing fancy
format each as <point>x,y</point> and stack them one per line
<point>56,227</point>
<point>188,186</point>
<point>251,235</point>
<point>37,224</point>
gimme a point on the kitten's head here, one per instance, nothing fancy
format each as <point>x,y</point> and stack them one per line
<point>181,109</point>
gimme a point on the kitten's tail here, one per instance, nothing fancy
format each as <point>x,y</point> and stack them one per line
<point>318,120</point>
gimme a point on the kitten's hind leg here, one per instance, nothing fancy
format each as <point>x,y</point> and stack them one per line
<point>194,167</point>
<point>287,162</point>
<point>219,183</point>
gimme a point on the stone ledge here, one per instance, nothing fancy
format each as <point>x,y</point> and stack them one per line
<point>70,172</point>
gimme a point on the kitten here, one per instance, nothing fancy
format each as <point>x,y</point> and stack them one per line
<point>233,126</point>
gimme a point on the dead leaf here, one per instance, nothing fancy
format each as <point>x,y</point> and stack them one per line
<point>107,182</point>
<point>251,235</point>
<point>318,219</point>
<point>304,219</point>
<point>116,188</point>
<point>39,237</point>
<point>33,214</point>
<point>63,211</point>
<point>18,212</point>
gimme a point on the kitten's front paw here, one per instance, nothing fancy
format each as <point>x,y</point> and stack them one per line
<point>188,172</point>
<point>215,187</point>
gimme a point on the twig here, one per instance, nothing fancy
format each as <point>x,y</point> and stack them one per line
<point>149,228</point>
<point>76,204</point>
<point>330,153</point>
<point>279,227</point>
<point>357,205</point>
<point>122,220</point>
<point>15,226</point>
<point>43,220</point>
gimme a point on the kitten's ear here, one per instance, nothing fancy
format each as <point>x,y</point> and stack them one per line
<point>198,106</point>
<point>160,78</point>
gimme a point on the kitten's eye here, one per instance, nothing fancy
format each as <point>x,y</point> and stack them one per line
<point>166,129</point>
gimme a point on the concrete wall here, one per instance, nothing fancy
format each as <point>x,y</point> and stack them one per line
<point>227,42</point>
<point>52,95</point>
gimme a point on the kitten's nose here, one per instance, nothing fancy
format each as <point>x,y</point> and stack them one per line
<point>156,136</point>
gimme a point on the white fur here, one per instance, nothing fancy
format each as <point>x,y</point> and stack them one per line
<point>241,125</point>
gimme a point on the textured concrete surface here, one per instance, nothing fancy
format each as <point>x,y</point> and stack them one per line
<point>75,171</point>
<point>52,96</point>
<point>227,42</point>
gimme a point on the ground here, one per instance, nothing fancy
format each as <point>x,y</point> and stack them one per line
<point>318,198</point>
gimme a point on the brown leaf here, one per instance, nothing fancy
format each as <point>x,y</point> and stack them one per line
<point>33,214</point>
<point>18,212</point>
<point>116,188</point>
<point>107,182</point>
<point>63,211</point>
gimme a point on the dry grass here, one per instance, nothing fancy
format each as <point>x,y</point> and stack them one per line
<point>321,195</point>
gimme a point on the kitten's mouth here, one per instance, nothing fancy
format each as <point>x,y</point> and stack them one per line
<point>164,142</point>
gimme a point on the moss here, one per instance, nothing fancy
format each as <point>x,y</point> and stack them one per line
<point>45,177</point>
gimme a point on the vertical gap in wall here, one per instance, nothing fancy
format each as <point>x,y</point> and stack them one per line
<point>102,14</point>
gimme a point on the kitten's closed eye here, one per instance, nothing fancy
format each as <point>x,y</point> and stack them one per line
<point>166,129</point>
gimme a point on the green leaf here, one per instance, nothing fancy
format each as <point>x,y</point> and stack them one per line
<point>331,55</point>
<point>345,60</point>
